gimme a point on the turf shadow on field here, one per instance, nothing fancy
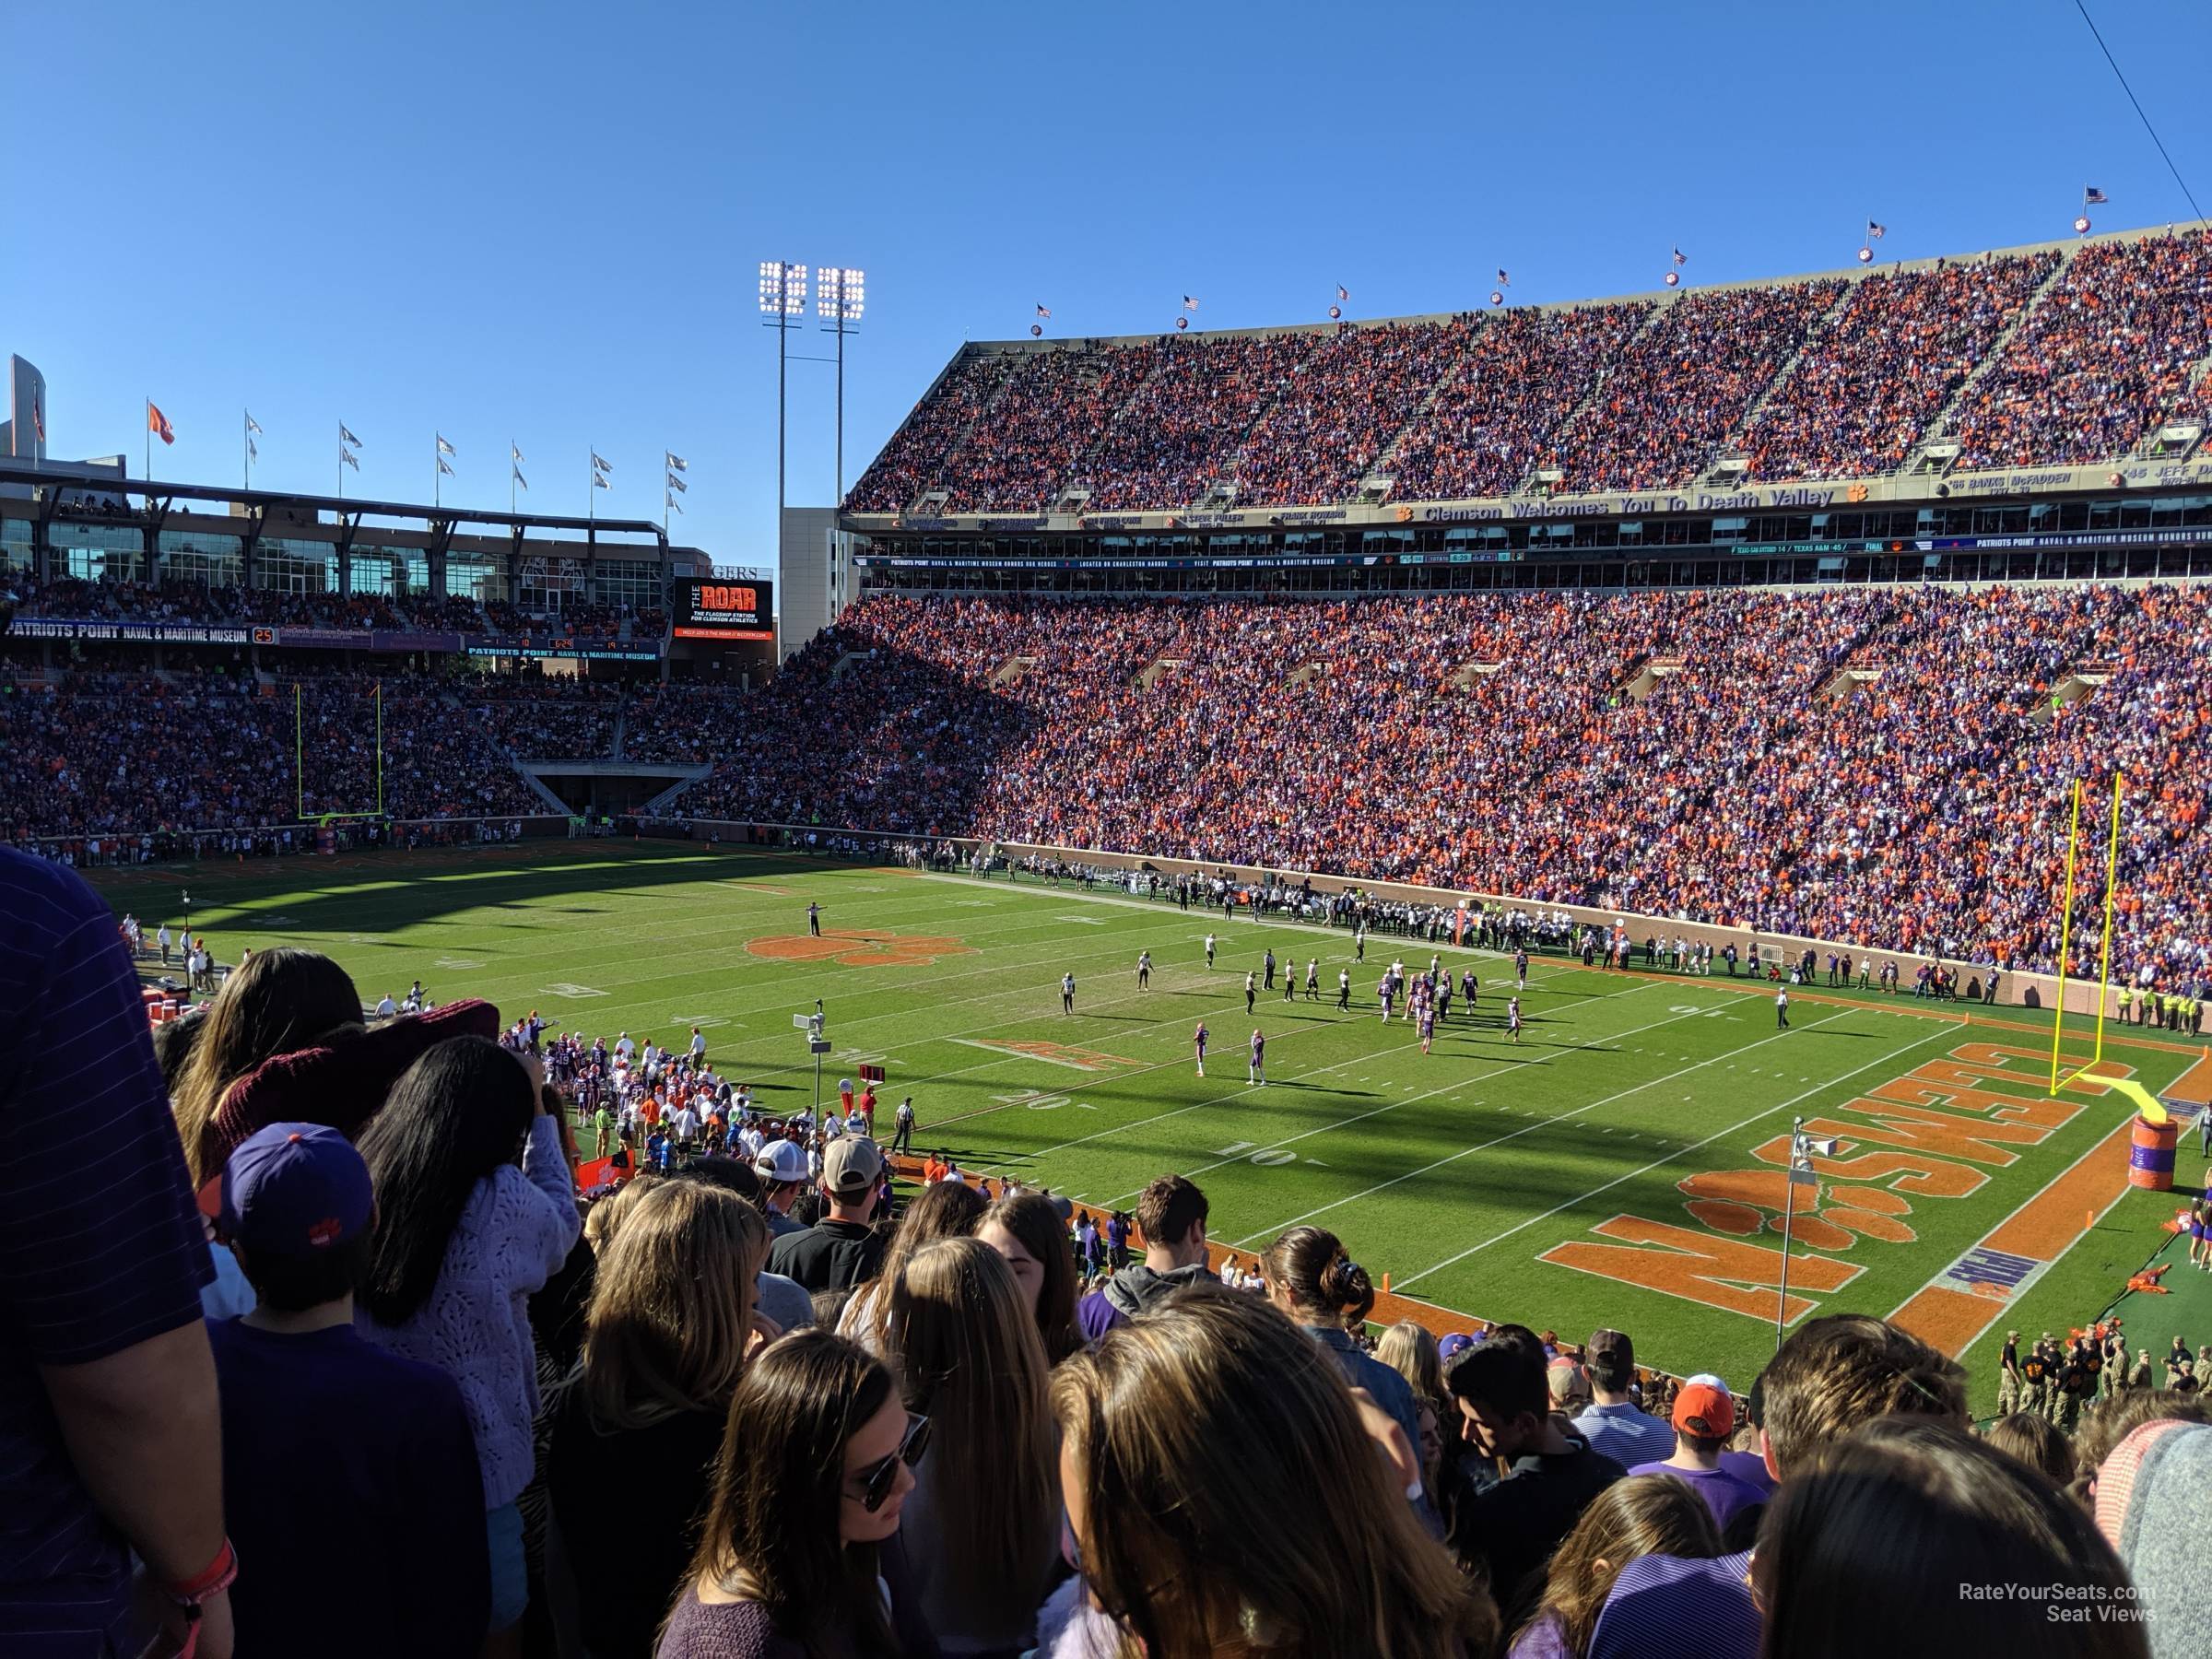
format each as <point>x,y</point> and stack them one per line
<point>421,888</point>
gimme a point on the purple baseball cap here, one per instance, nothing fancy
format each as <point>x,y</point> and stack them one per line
<point>1457,1343</point>
<point>294,1189</point>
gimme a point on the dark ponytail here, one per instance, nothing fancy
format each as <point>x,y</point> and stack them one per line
<point>1309,1263</point>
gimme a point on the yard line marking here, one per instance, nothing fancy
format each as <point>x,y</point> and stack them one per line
<point>1238,1094</point>
<point>1500,1070</point>
<point>1538,1120</point>
<point>1718,1134</point>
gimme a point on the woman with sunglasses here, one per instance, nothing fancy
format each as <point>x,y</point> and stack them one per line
<point>814,1468</point>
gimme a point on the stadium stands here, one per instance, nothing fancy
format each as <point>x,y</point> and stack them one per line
<point>1831,378</point>
<point>1877,766</point>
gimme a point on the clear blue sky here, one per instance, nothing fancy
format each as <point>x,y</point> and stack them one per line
<point>543,221</point>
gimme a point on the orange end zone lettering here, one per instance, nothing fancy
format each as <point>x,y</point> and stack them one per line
<point>1716,1273</point>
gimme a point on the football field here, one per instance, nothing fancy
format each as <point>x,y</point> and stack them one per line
<point>1622,1165</point>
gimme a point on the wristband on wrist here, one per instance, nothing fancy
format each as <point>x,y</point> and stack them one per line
<point>217,1576</point>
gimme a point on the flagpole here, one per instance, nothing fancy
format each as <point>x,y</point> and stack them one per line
<point>246,440</point>
<point>149,443</point>
<point>437,473</point>
<point>511,464</point>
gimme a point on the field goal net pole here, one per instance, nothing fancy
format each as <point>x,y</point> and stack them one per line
<point>2104,963</point>
<point>2065,934</point>
<point>323,820</point>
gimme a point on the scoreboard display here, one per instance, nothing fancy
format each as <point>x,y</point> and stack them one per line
<point>715,609</point>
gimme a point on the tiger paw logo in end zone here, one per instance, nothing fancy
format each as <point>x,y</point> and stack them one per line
<point>854,947</point>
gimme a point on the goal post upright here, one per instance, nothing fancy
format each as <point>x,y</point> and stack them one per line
<point>2112,890</point>
<point>2065,934</point>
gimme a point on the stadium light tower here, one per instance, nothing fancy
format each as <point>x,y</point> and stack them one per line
<point>839,295</point>
<point>782,296</point>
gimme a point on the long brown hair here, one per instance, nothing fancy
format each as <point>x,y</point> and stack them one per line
<point>277,1002</point>
<point>1032,1218</point>
<point>1323,1283</point>
<point>672,1306</point>
<point>779,1488</point>
<point>944,1209</point>
<point>1232,1494</point>
<point>968,1358</point>
<point>1645,1514</point>
<point>1918,1501</point>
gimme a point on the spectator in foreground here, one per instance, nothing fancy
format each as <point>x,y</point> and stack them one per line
<point>463,1236</point>
<point>2037,1443</point>
<point>2150,1507</point>
<point>277,1002</point>
<point>947,1210</point>
<point>1203,1526</point>
<point>982,1523</point>
<point>1311,1279</point>
<point>1508,1531</point>
<point>110,1439</point>
<point>1631,1519</point>
<point>636,1429</point>
<point>1026,1229</point>
<point>319,1423</point>
<point>814,1473</point>
<point>1838,1372</point>
<point>1916,1500</point>
<point>1613,1423</point>
<point>1705,1418</point>
<point>782,1302</point>
<point>841,1250</point>
<point>1171,1213</point>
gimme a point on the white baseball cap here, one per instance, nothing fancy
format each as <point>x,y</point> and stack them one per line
<point>780,1161</point>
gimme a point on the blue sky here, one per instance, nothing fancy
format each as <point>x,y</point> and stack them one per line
<point>543,221</point>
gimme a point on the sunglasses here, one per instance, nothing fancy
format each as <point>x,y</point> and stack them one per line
<point>878,1478</point>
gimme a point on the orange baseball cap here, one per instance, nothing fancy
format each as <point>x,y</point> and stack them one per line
<point>1705,1409</point>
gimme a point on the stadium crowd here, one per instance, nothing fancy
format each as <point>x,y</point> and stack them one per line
<point>2103,359</point>
<point>116,753</point>
<point>355,1324</point>
<point>1693,753</point>
<point>180,600</point>
<point>1633,395</point>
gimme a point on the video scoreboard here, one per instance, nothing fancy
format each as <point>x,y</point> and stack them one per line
<point>717,609</point>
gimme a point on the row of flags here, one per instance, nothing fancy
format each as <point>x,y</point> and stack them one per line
<point>2091,197</point>
<point>158,425</point>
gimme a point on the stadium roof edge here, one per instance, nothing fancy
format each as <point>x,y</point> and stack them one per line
<point>16,473</point>
<point>1855,273</point>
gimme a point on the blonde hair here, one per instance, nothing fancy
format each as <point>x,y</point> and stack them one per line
<point>672,1306</point>
<point>968,1357</point>
<point>1409,1349</point>
<point>1276,1527</point>
<point>606,1215</point>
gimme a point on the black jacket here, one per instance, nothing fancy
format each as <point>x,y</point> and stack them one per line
<point>830,1256</point>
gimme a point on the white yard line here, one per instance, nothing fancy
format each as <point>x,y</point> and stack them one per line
<point>1530,1129</point>
<point>1718,1134</point>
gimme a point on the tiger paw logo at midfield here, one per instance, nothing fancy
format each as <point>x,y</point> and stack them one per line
<point>857,948</point>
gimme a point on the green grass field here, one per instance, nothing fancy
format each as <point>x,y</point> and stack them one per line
<point>1543,1183</point>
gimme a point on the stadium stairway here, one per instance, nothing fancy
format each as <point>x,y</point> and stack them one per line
<point>621,728</point>
<point>1940,424</point>
<point>1386,458</point>
<point>663,804</point>
<point>1732,446</point>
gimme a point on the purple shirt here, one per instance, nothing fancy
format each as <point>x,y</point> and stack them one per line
<point>1722,1492</point>
<point>100,1244</point>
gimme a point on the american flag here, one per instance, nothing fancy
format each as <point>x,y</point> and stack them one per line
<point>2091,195</point>
<point>1189,303</point>
<point>1680,257</point>
<point>1504,280</point>
<point>1343,292</point>
<point>1875,231</point>
<point>1045,311</point>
